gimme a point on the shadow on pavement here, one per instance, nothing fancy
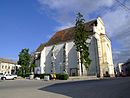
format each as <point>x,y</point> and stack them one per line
<point>77,89</point>
<point>106,88</point>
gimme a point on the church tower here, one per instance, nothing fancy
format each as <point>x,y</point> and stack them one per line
<point>106,65</point>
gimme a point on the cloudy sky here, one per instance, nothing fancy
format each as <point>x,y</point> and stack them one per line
<point>27,23</point>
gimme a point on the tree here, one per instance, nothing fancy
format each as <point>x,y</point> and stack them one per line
<point>24,61</point>
<point>32,62</point>
<point>81,35</point>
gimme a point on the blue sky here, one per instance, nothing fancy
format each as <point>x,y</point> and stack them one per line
<point>22,25</point>
<point>28,23</point>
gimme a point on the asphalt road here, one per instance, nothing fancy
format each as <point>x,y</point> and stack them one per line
<point>106,88</point>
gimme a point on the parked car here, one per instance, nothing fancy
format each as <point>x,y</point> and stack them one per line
<point>1,74</point>
<point>8,77</point>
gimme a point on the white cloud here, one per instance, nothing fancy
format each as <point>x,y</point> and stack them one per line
<point>64,26</point>
<point>116,21</point>
<point>120,55</point>
<point>73,5</point>
<point>64,11</point>
<point>115,16</point>
<point>118,27</point>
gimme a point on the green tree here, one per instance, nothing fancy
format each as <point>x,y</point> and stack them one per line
<point>24,61</point>
<point>81,35</point>
<point>32,62</point>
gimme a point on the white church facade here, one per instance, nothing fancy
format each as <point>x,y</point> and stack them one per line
<point>59,54</point>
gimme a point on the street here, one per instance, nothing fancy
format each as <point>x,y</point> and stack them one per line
<point>105,88</point>
<point>26,89</point>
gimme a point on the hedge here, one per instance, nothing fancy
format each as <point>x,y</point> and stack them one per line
<point>62,76</point>
<point>41,76</point>
<point>58,76</point>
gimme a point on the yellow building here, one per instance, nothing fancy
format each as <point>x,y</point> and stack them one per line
<point>7,66</point>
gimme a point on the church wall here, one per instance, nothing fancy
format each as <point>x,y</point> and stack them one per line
<point>108,58</point>
<point>58,51</point>
<point>47,58</point>
<point>104,48</point>
<point>42,61</point>
<point>72,58</point>
<point>71,55</point>
<point>93,69</point>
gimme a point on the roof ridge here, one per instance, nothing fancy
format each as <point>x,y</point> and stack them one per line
<point>65,35</point>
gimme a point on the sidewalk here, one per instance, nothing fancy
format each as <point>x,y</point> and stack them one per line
<point>83,78</point>
<point>71,78</point>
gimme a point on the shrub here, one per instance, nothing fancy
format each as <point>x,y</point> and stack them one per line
<point>23,75</point>
<point>62,76</point>
<point>27,75</point>
<point>36,75</point>
<point>41,76</point>
<point>58,76</point>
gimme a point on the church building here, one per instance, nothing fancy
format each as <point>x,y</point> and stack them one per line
<point>59,54</point>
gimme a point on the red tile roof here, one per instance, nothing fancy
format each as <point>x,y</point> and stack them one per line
<point>41,47</point>
<point>66,35</point>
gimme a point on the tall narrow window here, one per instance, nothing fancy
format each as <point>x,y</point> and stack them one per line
<point>53,58</point>
<point>64,59</point>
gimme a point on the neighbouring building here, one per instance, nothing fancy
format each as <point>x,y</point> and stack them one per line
<point>119,69</point>
<point>8,66</point>
<point>126,68</point>
<point>59,54</point>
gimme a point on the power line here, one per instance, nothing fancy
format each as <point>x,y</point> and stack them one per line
<point>114,6</point>
<point>123,5</point>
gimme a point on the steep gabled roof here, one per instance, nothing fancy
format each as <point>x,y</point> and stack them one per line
<point>41,47</point>
<point>62,36</point>
<point>68,34</point>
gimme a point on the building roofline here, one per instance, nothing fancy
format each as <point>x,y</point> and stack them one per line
<point>7,61</point>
